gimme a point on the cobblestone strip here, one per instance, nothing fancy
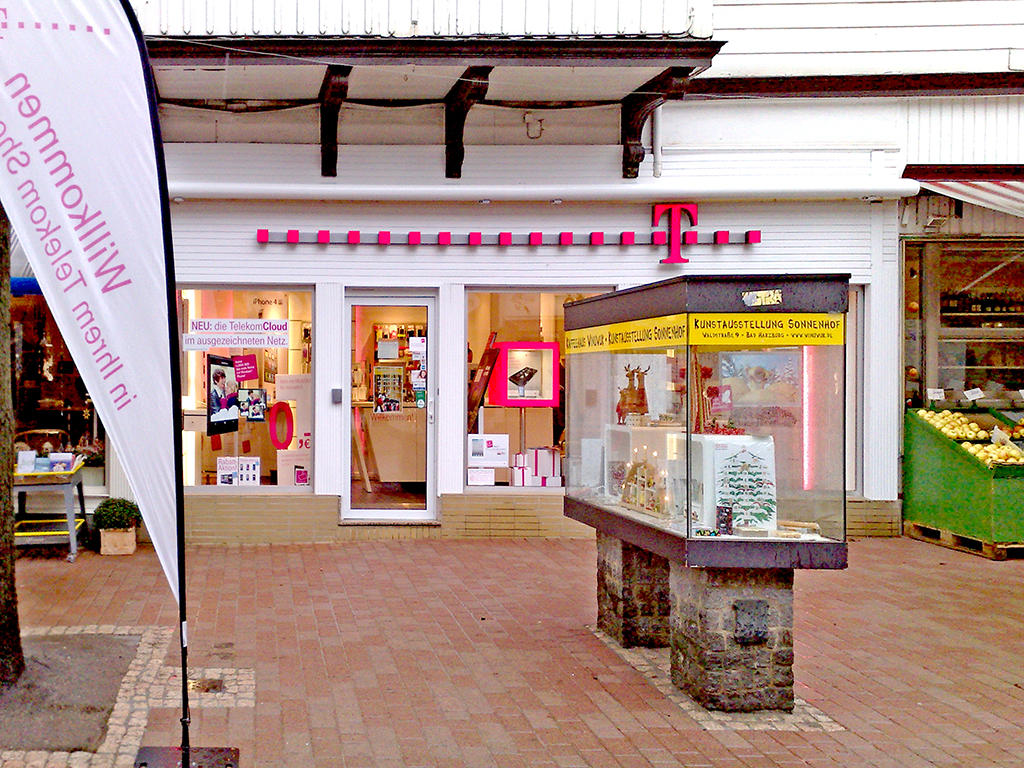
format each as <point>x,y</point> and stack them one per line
<point>147,684</point>
<point>653,664</point>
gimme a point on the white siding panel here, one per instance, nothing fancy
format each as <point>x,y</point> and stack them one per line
<point>844,124</point>
<point>328,366</point>
<point>396,166</point>
<point>802,37</point>
<point>778,163</point>
<point>451,387</point>
<point>504,166</point>
<point>409,18</point>
<point>218,239</point>
<point>971,130</point>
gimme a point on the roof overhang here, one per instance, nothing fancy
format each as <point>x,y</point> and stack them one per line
<point>603,51</point>
<point>636,72</point>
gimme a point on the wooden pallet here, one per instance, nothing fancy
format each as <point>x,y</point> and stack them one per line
<point>950,540</point>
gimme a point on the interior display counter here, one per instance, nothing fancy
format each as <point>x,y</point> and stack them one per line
<point>960,489</point>
<point>392,443</point>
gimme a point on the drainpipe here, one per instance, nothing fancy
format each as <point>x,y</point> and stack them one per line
<point>656,140</point>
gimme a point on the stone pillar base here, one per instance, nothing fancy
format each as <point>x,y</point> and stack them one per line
<point>732,637</point>
<point>632,593</point>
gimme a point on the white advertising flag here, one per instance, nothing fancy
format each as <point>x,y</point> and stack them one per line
<point>82,182</point>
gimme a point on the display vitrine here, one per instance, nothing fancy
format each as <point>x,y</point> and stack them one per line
<point>709,412</point>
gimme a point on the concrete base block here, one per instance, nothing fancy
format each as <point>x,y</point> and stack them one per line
<point>732,637</point>
<point>632,594</point>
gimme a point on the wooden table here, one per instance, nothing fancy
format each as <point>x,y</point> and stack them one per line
<point>54,482</point>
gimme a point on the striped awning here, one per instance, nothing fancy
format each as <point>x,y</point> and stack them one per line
<point>999,187</point>
<point>1005,196</point>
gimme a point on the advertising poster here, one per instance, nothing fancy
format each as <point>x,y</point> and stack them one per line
<point>745,481</point>
<point>248,470</point>
<point>246,368</point>
<point>252,403</point>
<point>222,396</point>
<point>227,470</point>
<point>388,383</point>
<point>488,450</point>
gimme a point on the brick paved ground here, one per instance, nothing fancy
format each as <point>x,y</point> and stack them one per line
<point>479,653</point>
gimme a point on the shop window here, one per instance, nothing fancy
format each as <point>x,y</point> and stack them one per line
<point>247,387</point>
<point>53,412</point>
<point>964,322</point>
<point>515,375</point>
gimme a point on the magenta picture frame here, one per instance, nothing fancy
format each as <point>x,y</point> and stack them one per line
<point>545,354</point>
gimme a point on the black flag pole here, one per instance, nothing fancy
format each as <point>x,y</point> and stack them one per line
<point>184,756</point>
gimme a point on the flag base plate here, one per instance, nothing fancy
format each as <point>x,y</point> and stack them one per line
<point>199,757</point>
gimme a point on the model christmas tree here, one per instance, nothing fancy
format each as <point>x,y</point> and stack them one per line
<point>746,482</point>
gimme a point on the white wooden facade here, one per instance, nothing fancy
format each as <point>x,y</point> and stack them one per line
<point>412,18</point>
<point>819,177</point>
<point>842,37</point>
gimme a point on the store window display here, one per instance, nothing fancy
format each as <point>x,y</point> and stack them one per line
<point>247,387</point>
<point>712,409</point>
<point>515,382</point>
<point>53,411</point>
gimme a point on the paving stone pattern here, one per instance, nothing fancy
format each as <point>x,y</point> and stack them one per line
<point>452,653</point>
<point>148,684</point>
<point>655,665</point>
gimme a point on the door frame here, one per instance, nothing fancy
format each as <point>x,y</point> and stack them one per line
<point>384,298</point>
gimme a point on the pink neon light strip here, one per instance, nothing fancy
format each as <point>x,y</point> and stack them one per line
<point>808,428</point>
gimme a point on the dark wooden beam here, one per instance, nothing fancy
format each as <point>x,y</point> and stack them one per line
<point>240,106</point>
<point>476,51</point>
<point>271,105</point>
<point>333,91</point>
<point>470,89</point>
<point>638,106</point>
<point>989,172</point>
<point>957,84</point>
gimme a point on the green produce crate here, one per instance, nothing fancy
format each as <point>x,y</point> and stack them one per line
<point>953,499</point>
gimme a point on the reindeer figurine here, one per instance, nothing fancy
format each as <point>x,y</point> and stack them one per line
<point>627,396</point>
<point>632,398</point>
<point>641,390</point>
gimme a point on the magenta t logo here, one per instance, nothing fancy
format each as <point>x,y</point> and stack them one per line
<point>675,228</point>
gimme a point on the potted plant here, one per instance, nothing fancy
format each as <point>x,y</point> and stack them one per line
<point>117,521</point>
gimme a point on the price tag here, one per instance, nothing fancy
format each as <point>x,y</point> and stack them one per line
<point>974,394</point>
<point>936,394</point>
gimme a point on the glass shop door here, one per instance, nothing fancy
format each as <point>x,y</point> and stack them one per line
<point>391,418</point>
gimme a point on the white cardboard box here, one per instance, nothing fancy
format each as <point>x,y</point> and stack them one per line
<point>480,476</point>
<point>544,462</point>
